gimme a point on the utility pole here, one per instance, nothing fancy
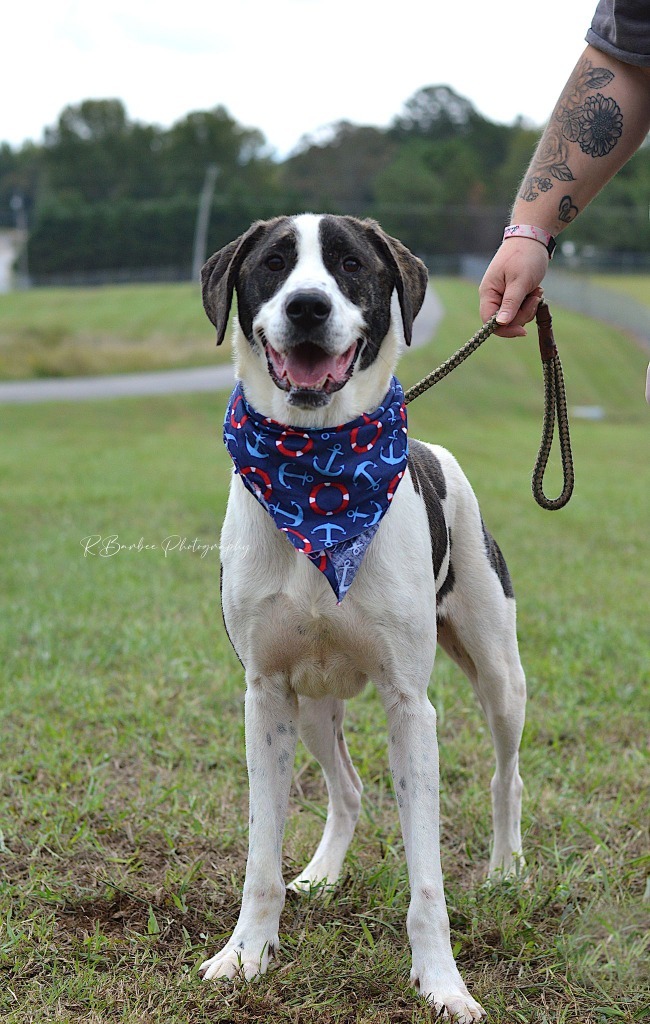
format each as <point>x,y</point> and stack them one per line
<point>202,220</point>
<point>17,204</point>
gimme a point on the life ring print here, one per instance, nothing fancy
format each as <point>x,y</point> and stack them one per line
<point>392,487</point>
<point>343,504</point>
<point>306,544</point>
<point>294,453</point>
<point>354,435</point>
<point>237,424</point>
<point>255,471</point>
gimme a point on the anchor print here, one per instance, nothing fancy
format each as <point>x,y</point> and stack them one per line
<point>377,516</point>
<point>327,470</point>
<point>253,449</point>
<point>345,570</point>
<point>361,471</point>
<point>355,513</point>
<point>391,459</point>
<point>295,518</point>
<point>333,485</point>
<point>284,474</point>
<point>328,527</point>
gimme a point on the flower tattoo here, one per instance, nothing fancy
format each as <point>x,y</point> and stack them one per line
<point>594,122</point>
<point>601,125</point>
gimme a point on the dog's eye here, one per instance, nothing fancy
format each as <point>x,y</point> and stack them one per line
<point>351,264</point>
<point>275,262</point>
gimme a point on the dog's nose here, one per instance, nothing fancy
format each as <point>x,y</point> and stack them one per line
<point>308,309</point>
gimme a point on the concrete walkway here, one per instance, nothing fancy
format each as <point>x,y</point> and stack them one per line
<point>169,382</point>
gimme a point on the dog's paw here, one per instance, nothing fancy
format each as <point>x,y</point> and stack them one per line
<point>237,961</point>
<point>314,881</point>
<point>450,1001</point>
<point>319,877</point>
<point>506,865</point>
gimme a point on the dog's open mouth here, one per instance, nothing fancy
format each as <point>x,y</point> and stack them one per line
<point>307,367</point>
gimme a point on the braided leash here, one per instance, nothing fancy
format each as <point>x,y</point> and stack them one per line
<point>554,402</point>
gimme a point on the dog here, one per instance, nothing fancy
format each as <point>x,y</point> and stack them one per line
<point>324,305</point>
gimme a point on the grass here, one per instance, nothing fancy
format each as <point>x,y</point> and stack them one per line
<point>64,332</point>
<point>122,780</point>
<point>637,286</point>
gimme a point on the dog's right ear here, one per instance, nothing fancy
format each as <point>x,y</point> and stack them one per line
<point>219,276</point>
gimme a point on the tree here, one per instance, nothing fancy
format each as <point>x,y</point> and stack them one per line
<point>203,138</point>
<point>435,112</point>
<point>96,154</point>
<point>337,174</point>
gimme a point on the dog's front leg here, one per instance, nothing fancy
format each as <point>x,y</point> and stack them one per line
<point>271,715</point>
<point>413,752</point>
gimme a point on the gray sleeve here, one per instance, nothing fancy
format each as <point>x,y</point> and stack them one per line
<point>621,28</point>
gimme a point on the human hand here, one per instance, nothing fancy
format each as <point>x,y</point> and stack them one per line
<point>511,285</point>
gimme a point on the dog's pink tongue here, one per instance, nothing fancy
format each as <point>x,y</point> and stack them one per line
<point>307,366</point>
<point>308,372</point>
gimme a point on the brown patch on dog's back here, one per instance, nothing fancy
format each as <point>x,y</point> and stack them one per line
<point>429,482</point>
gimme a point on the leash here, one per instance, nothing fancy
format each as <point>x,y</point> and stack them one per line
<point>554,401</point>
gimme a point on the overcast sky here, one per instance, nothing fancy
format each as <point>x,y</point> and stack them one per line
<point>287,67</point>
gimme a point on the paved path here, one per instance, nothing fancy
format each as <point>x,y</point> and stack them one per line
<point>168,382</point>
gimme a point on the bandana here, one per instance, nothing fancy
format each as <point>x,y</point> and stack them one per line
<point>326,489</point>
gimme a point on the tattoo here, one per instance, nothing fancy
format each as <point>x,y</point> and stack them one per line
<point>530,184</point>
<point>594,122</point>
<point>567,210</point>
<point>600,125</point>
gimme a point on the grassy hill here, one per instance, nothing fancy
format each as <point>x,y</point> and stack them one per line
<point>637,286</point>
<point>64,332</point>
<point>118,329</point>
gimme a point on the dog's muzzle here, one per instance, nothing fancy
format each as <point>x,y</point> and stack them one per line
<point>306,367</point>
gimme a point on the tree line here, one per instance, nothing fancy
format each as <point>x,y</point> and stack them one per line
<point>102,192</point>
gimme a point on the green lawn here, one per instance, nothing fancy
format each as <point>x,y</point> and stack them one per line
<point>637,286</point>
<point>123,782</point>
<point>65,332</point>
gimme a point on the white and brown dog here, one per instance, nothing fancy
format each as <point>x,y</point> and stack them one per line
<point>324,305</point>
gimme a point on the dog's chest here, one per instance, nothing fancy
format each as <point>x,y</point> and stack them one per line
<point>282,616</point>
<point>314,653</point>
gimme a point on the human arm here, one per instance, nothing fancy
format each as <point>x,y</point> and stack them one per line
<point>599,121</point>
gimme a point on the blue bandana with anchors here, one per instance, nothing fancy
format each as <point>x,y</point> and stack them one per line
<point>326,489</point>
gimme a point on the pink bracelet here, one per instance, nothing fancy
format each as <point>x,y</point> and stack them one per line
<point>530,231</point>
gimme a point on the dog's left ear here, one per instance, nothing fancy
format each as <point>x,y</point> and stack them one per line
<point>411,277</point>
<point>219,275</point>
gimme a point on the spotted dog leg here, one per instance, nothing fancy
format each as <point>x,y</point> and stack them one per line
<point>413,753</point>
<point>271,736</point>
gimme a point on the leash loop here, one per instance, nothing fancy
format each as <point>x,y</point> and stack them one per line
<point>554,402</point>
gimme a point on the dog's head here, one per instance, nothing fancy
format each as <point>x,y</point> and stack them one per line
<point>314,303</point>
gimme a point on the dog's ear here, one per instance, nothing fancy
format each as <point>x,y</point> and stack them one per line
<point>219,275</point>
<point>410,274</point>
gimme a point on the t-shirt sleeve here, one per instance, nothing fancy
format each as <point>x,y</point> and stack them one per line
<point>621,28</point>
